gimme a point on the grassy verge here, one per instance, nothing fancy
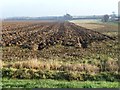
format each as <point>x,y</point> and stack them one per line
<point>97,21</point>
<point>15,83</point>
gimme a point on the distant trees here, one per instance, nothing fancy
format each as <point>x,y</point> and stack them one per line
<point>111,17</point>
<point>68,17</point>
<point>105,18</point>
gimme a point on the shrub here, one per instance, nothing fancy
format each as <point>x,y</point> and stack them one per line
<point>50,74</point>
<point>19,73</point>
<point>41,74</point>
<point>7,72</point>
<point>112,65</point>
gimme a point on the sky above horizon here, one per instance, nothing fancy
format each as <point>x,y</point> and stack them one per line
<point>38,8</point>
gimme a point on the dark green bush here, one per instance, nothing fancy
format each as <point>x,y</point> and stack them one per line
<point>50,74</point>
<point>19,73</point>
<point>40,74</point>
<point>7,72</point>
<point>58,75</point>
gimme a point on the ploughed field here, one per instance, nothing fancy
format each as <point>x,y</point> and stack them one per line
<point>21,40</point>
<point>44,35</point>
<point>59,51</point>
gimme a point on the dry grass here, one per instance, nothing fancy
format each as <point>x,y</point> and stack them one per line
<point>112,65</point>
<point>101,27</point>
<point>90,24</point>
<point>52,65</point>
<point>1,64</point>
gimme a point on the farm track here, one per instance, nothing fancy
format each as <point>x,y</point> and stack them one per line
<point>46,34</point>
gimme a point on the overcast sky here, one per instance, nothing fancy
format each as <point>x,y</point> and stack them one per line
<point>36,8</point>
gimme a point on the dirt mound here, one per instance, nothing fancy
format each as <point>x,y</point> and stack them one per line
<point>41,35</point>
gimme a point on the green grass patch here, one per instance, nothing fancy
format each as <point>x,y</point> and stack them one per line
<point>111,23</point>
<point>48,83</point>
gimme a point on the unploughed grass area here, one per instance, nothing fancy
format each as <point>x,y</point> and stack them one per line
<point>109,28</point>
<point>97,21</point>
<point>48,83</point>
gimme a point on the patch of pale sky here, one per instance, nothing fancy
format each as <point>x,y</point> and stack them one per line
<point>36,8</point>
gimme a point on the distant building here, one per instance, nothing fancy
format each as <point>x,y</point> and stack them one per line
<point>113,17</point>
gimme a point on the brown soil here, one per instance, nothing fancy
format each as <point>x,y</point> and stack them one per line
<point>39,35</point>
